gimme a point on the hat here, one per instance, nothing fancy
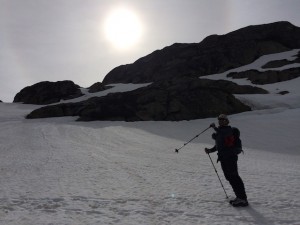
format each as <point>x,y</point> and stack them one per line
<point>222,117</point>
<point>223,120</point>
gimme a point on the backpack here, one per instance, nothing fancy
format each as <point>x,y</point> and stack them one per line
<point>233,141</point>
<point>237,141</point>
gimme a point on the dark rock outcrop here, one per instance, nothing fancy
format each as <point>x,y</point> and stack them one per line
<point>48,92</point>
<point>267,77</point>
<point>215,54</point>
<point>177,99</point>
<point>98,87</point>
<point>283,92</point>
<point>230,87</point>
<point>280,63</point>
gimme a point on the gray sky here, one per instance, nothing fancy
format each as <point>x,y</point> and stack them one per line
<point>51,40</point>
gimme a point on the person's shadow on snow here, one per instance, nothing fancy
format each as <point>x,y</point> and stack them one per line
<point>258,218</point>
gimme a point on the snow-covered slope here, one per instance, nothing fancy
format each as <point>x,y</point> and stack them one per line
<point>114,88</point>
<point>58,171</point>
<point>259,63</point>
<point>273,100</point>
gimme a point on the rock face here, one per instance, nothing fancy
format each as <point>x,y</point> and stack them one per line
<point>48,92</point>
<point>267,77</point>
<point>280,63</point>
<point>215,54</point>
<point>97,87</point>
<point>177,99</point>
<point>272,75</point>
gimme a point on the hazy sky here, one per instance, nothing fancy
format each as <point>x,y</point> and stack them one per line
<point>51,40</point>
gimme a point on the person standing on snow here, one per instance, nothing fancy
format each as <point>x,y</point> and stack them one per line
<point>224,144</point>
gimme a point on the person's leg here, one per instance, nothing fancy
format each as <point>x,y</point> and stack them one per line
<point>231,174</point>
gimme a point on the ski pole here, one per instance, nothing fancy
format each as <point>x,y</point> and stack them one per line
<point>217,175</point>
<point>177,149</point>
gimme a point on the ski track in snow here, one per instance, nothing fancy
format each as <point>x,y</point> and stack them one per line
<point>61,172</point>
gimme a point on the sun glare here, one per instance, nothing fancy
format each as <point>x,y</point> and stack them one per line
<point>122,28</point>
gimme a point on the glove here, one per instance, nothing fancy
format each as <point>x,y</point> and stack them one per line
<point>207,150</point>
<point>214,136</point>
<point>213,125</point>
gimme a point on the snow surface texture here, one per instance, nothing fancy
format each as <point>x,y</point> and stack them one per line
<point>58,171</point>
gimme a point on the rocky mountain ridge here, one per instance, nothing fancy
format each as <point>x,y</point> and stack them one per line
<point>177,91</point>
<point>215,54</point>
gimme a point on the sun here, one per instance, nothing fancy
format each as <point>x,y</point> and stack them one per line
<point>123,28</point>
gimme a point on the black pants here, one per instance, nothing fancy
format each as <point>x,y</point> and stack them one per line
<point>230,169</point>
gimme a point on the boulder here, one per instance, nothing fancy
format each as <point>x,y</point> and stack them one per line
<point>46,92</point>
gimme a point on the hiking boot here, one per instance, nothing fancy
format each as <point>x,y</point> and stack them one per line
<point>231,201</point>
<point>239,202</point>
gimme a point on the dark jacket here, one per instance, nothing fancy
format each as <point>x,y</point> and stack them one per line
<point>224,143</point>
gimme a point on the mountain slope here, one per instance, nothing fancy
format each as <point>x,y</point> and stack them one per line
<point>185,98</point>
<point>215,54</point>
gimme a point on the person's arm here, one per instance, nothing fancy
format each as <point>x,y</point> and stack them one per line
<point>210,150</point>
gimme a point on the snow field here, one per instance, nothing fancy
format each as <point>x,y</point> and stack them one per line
<point>55,171</point>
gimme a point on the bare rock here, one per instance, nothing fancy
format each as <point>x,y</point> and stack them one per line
<point>98,87</point>
<point>173,100</point>
<point>215,54</point>
<point>267,77</point>
<point>46,92</point>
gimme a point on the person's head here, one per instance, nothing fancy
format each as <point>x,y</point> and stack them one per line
<point>223,120</point>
